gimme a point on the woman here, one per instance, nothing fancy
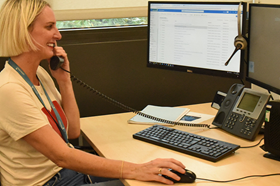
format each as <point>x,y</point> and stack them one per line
<point>36,120</point>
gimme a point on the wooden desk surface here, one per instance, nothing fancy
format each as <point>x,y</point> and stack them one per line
<point>111,137</point>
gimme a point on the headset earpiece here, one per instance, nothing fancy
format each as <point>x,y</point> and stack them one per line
<point>240,42</point>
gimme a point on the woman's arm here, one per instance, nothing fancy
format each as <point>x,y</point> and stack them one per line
<point>49,143</point>
<point>70,108</point>
<point>69,103</point>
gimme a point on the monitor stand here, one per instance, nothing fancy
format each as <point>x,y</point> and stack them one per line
<point>272,156</point>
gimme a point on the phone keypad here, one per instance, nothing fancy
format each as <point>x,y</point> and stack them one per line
<point>247,127</point>
<point>231,121</point>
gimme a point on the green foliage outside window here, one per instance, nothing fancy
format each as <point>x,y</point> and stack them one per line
<point>102,22</point>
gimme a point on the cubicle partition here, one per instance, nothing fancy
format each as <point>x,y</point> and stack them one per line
<point>113,61</point>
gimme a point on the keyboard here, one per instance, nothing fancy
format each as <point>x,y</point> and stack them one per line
<point>188,143</point>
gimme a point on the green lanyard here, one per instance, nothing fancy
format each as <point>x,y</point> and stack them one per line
<point>25,77</point>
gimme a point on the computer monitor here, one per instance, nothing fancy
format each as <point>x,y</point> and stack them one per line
<point>195,37</point>
<point>264,46</point>
<point>263,65</point>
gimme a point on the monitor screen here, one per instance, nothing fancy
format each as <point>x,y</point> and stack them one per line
<point>195,37</point>
<point>264,46</point>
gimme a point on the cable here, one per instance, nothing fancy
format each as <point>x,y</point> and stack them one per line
<point>270,95</point>
<point>244,146</point>
<point>242,82</point>
<point>251,176</point>
<point>124,107</point>
<point>253,145</point>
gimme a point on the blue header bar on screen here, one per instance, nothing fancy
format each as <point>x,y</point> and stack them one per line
<point>195,11</point>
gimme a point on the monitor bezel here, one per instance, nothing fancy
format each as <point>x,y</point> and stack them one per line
<point>250,79</point>
<point>195,70</point>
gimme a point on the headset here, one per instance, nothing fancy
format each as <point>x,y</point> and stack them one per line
<point>240,42</point>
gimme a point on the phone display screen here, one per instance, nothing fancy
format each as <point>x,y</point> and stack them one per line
<point>248,102</point>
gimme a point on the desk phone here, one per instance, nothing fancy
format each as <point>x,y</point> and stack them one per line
<point>242,112</point>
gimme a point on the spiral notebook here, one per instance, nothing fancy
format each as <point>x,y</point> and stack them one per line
<point>167,113</point>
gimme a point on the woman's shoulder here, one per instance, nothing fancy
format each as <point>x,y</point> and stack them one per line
<point>9,75</point>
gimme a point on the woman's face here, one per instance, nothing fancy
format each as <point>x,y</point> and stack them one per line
<point>45,33</point>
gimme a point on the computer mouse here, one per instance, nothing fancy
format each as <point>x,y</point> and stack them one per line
<point>188,177</point>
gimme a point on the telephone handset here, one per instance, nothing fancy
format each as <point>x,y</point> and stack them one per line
<point>56,63</point>
<point>242,112</point>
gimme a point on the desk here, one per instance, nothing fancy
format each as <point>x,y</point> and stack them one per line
<point>111,137</point>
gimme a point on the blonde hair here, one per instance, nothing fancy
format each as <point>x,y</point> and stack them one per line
<point>16,19</point>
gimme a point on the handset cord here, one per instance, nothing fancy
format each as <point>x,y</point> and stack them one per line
<point>124,107</point>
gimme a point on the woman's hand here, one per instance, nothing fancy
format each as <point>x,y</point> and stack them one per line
<point>153,170</point>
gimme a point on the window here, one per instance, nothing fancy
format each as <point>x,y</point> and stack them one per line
<point>101,22</point>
